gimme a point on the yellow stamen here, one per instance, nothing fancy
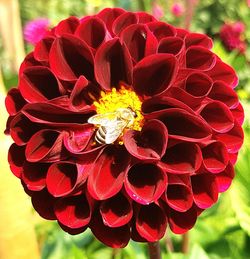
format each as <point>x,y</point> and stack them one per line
<point>122,98</point>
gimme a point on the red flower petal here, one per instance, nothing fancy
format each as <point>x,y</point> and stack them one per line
<point>140,41</point>
<point>73,231</point>
<point>113,237</point>
<point>14,101</point>
<point>56,116</point>
<point>92,31</point>
<point>205,190</point>
<point>77,140</point>
<point>70,58</point>
<point>64,178</point>
<point>123,21</point>
<point>46,145</point>
<point>179,194</point>
<point>233,139</point>
<point>73,212</point>
<point>223,72</point>
<point>145,182</point>
<point>153,74</point>
<point>181,222</point>
<point>150,143</point>
<point>109,15</point>
<point>151,222</point>
<point>217,115</point>
<point>198,39</point>
<point>171,45</point>
<point>224,93</point>
<point>68,25</point>
<point>161,29</point>
<point>189,161</point>
<point>238,113</point>
<point>185,126</point>
<point>43,203</point>
<point>224,179</point>
<point>215,157</point>
<point>29,61</point>
<point>107,174</point>
<point>34,83</point>
<point>83,94</point>
<point>16,158</point>
<point>34,175</point>
<point>113,64</point>
<point>200,58</point>
<point>116,211</point>
<point>42,49</point>
<point>145,17</point>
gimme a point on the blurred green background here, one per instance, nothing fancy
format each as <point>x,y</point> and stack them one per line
<point>222,231</point>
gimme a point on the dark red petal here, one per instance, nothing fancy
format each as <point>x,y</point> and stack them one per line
<point>198,84</point>
<point>34,84</point>
<point>151,222</point>
<point>156,106</point>
<point>109,15</point>
<point>92,31</point>
<point>153,74</point>
<point>150,143</point>
<point>113,64</point>
<point>34,175</point>
<point>200,58</point>
<point>224,93</point>
<point>224,179</point>
<point>73,212</point>
<point>116,211</point>
<point>65,177</point>
<point>43,203</point>
<point>185,126</point>
<point>16,158</point>
<point>145,17</point>
<point>108,171</point>
<point>222,71</point>
<point>140,41</point>
<point>42,49</point>
<point>205,190</point>
<point>161,29</point>
<point>215,157</point>
<point>56,116</point>
<point>238,114</point>
<point>171,45</point>
<point>70,58</point>
<point>145,182</point>
<point>46,145</point>
<point>181,222</point>
<point>233,139</point>
<point>14,101</point>
<point>83,94</point>
<point>72,231</point>
<point>217,115</point>
<point>68,25</point>
<point>182,33</point>
<point>29,61</point>
<point>77,140</point>
<point>189,161</point>
<point>198,39</point>
<point>179,194</point>
<point>123,21</point>
<point>113,237</point>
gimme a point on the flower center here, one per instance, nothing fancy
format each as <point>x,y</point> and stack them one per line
<point>117,100</point>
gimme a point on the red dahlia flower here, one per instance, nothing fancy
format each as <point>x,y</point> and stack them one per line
<point>125,125</point>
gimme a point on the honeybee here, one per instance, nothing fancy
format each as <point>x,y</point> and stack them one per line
<point>112,124</point>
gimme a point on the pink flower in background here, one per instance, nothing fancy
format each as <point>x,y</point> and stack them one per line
<point>35,30</point>
<point>248,3</point>
<point>177,9</point>
<point>157,11</point>
<point>232,36</point>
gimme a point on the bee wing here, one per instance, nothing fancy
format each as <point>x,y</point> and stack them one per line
<point>114,130</point>
<point>103,119</point>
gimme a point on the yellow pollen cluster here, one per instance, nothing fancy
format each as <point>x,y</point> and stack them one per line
<point>122,98</point>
